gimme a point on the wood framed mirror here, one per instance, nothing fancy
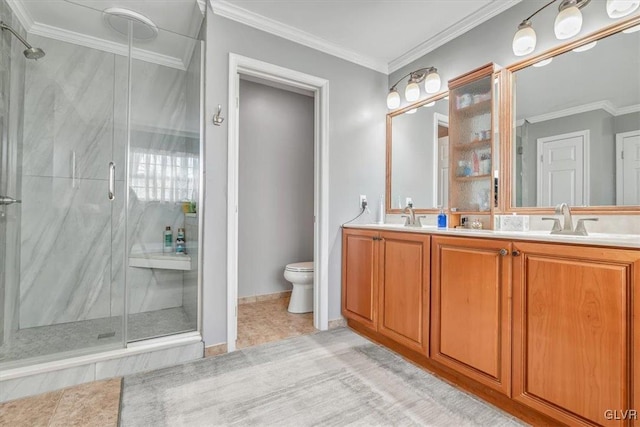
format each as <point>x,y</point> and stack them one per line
<point>572,126</point>
<point>417,163</point>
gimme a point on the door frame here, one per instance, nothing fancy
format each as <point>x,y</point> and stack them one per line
<point>620,164</point>
<point>320,87</point>
<point>585,163</point>
<point>438,120</point>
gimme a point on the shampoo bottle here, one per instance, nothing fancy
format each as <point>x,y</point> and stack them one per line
<point>442,219</point>
<point>180,243</point>
<point>167,243</point>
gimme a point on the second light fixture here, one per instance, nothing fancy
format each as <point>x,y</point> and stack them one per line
<point>431,80</point>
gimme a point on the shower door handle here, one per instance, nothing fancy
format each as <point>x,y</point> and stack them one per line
<point>4,200</point>
<point>112,181</point>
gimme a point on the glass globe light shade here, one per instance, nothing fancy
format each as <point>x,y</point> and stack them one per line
<point>393,99</point>
<point>568,23</point>
<point>586,47</point>
<point>632,29</point>
<point>432,82</point>
<point>524,41</point>
<point>412,92</point>
<point>412,111</point>
<point>620,8</point>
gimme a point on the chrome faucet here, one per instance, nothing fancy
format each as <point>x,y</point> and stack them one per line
<point>563,209</point>
<point>567,227</point>
<point>411,219</point>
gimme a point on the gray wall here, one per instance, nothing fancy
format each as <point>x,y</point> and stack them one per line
<point>357,108</point>
<point>491,41</point>
<point>626,123</point>
<point>601,153</point>
<point>275,209</point>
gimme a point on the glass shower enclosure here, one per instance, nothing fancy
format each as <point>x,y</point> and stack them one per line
<point>101,152</point>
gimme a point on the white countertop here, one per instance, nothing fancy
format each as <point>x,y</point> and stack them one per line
<point>593,239</point>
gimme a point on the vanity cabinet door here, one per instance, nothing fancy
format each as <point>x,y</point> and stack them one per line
<point>470,308</point>
<point>360,276</point>
<point>404,289</point>
<point>573,325</point>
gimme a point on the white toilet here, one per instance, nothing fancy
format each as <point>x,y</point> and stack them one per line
<point>300,274</point>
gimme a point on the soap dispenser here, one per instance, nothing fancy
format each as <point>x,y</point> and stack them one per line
<point>442,218</point>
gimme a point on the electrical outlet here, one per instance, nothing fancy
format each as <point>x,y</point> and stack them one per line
<point>363,200</point>
<point>409,201</point>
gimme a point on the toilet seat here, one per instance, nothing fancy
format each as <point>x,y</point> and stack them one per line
<point>301,267</point>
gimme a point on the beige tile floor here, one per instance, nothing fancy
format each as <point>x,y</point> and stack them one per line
<point>95,404</point>
<point>266,321</point>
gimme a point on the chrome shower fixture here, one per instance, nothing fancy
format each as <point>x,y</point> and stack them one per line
<point>30,52</point>
<point>142,28</point>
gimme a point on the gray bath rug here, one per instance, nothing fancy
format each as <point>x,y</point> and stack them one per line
<point>332,378</point>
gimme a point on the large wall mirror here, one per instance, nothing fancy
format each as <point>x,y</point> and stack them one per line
<point>577,126</point>
<point>417,156</point>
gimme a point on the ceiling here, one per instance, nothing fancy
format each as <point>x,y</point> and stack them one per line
<point>383,35</point>
<point>82,22</point>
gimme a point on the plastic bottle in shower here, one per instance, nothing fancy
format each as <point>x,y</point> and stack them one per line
<point>167,243</point>
<point>180,243</point>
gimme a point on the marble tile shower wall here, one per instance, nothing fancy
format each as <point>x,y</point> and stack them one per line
<point>72,243</point>
<point>12,69</point>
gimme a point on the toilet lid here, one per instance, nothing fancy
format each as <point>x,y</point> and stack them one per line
<point>300,266</point>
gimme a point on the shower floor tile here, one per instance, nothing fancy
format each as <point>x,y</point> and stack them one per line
<point>68,339</point>
<point>265,321</point>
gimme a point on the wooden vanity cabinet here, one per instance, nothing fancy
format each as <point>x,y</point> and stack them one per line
<point>385,284</point>
<point>404,267</point>
<point>470,309</point>
<point>576,332</point>
<point>549,332</point>
<point>360,276</point>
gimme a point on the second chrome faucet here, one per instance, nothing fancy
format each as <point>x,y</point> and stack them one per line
<point>412,220</point>
<point>567,228</point>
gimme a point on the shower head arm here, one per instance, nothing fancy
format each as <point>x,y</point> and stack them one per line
<point>4,26</point>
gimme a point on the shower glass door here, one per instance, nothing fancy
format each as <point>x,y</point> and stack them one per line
<point>163,185</point>
<point>102,146</point>
<point>64,279</point>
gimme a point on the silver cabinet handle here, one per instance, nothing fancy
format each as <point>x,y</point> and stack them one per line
<point>112,181</point>
<point>503,252</point>
<point>5,200</point>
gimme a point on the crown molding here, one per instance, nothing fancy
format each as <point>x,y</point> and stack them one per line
<point>484,14</point>
<point>202,5</point>
<point>605,105</point>
<point>268,25</point>
<point>628,110</point>
<point>21,12</point>
<point>105,45</point>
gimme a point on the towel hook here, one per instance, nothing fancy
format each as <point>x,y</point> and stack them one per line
<point>217,118</point>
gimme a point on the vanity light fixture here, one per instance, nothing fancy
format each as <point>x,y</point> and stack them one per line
<point>620,8</point>
<point>431,80</point>
<point>568,23</point>
<point>412,111</point>
<point>632,29</point>
<point>431,104</point>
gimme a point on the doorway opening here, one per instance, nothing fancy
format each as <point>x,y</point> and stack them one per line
<point>252,75</point>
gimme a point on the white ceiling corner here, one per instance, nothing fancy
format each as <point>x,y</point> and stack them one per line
<point>21,12</point>
<point>467,23</point>
<point>244,16</point>
<point>202,5</point>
